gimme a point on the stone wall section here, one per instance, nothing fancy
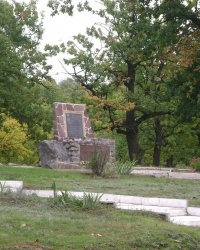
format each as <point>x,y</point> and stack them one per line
<point>73,147</point>
<point>59,120</point>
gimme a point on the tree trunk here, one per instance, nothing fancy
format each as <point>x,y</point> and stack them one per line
<point>158,143</point>
<point>198,136</point>
<point>169,162</point>
<point>132,136</point>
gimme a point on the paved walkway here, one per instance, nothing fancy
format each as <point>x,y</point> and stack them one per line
<point>175,210</point>
<point>166,172</point>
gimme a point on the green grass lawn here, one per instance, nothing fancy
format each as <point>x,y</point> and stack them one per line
<point>40,178</point>
<point>37,223</point>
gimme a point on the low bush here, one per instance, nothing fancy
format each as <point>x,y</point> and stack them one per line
<point>196,165</point>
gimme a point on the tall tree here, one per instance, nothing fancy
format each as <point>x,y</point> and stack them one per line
<point>22,64</point>
<point>123,62</point>
<point>142,51</point>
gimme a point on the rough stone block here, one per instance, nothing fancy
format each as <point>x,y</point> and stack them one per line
<point>51,152</point>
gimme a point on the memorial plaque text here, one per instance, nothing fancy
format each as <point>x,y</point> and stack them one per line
<point>74,125</point>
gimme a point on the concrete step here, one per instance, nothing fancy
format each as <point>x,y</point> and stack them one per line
<point>176,210</point>
<point>193,211</point>
<point>13,186</point>
<point>189,176</point>
<point>168,173</point>
<point>185,220</point>
<point>114,198</point>
<point>150,172</point>
<point>168,211</point>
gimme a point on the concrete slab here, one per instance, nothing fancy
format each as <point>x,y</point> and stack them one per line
<point>193,211</point>
<point>169,211</point>
<point>13,186</point>
<point>186,220</point>
<point>39,193</point>
<point>178,175</point>
<point>156,173</point>
<point>148,201</point>
<point>154,168</point>
<point>166,172</point>
<point>113,198</point>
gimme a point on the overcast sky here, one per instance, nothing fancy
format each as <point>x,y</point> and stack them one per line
<point>61,28</point>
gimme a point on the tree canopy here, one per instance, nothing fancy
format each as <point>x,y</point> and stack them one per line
<point>137,69</point>
<point>130,61</point>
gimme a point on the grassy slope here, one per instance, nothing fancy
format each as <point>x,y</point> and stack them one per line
<point>35,223</point>
<point>136,186</point>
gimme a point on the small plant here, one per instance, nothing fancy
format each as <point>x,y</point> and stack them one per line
<point>98,161</point>
<point>54,189</point>
<point>196,165</point>
<point>91,201</point>
<point>2,187</point>
<point>124,168</point>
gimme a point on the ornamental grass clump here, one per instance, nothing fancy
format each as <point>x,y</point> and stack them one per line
<point>65,199</point>
<point>91,201</point>
<point>124,168</point>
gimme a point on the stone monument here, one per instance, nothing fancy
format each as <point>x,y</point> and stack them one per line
<point>73,131</point>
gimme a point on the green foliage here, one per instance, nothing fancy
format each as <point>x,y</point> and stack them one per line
<point>12,137</point>
<point>147,67</point>
<point>23,69</point>
<point>196,165</point>
<point>88,201</point>
<point>2,188</point>
<point>181,166</point>
<point>91,201</point>
<point>124,168</point>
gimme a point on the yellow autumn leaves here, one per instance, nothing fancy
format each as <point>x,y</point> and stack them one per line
<point>13,136</point>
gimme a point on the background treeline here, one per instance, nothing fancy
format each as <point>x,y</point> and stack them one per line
<point>137,70</point>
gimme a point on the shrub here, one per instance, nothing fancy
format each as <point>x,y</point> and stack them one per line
<point>98,161</point>
<point>13,136</point>
<point>196,165</point>
<point>181,166</point>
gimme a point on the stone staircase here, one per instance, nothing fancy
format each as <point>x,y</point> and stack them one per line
<point>175,210</point>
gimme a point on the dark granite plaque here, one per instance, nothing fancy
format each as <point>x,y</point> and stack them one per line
<point>87,151</point>
<point>74,125</point>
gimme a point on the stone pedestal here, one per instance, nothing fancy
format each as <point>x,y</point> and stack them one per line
<point>74,142</point>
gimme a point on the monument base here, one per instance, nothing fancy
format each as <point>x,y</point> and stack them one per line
<point>78,151</point>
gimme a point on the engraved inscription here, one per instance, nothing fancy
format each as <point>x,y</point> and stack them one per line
<point>74,125</point>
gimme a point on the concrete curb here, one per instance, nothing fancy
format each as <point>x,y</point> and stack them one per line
<point>175,210</point>
<point>14,186</point>
<point>166,172</point>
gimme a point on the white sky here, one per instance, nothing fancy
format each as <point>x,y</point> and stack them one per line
<point>61,28</point>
